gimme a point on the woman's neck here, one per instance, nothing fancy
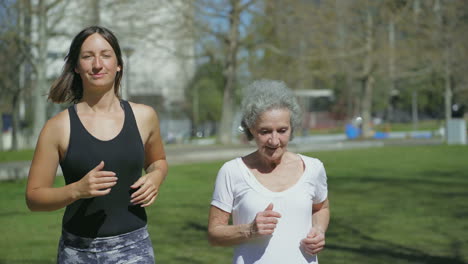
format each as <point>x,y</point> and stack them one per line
<point>262,164</point>
<point>107,102</point>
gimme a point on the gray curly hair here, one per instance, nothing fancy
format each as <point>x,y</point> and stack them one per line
<point>264,95</point>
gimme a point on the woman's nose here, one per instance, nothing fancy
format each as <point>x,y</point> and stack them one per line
<point>97,63</point>
<point>274,140</point>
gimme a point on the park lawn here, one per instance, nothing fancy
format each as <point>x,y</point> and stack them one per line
<point>17,155</point>
<point>388,205</point>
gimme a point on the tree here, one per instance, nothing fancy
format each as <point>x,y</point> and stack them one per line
<point>430,66</point>
<point>368,51</point>
<point>44,15</point>
<point>14,75</point>
<point>205,95</point>
<point>221,24</point>
<point>307,45</point>
<point>449,40</point>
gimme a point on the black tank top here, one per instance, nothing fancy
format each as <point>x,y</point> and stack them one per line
<point>111,214</point>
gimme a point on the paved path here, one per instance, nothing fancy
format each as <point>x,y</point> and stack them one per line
<point>185,154</point>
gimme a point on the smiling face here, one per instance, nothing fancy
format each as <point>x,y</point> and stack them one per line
<point>97,63</point>
<point>271,133</point>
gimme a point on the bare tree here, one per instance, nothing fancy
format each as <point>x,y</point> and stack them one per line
<point>14,78</point>
<point>368,75</point>
<point>45,15</point>
<point>220,22</point>
<point>450,48</point>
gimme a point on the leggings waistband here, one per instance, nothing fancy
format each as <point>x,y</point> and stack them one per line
<point>100,244</point>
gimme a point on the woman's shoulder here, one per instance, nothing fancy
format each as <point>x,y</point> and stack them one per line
<point>59,120</point>
<point>57,128</point>
<point>311,160</point>
<point>232,172</point>
<point>143,111</point>
<point>141,107</point>
<point>231,165</point>
<point>232,162</point>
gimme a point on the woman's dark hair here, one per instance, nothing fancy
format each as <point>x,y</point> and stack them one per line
<point>69,87</point>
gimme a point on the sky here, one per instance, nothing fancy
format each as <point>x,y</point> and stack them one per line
<point>6,17</point>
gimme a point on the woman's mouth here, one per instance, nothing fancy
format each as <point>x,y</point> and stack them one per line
<point>272,148</point>
<point>97,75</point>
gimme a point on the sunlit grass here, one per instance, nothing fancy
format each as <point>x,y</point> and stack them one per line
<point>17,155</point>
<point>389,205</point>
<point>430,125</point>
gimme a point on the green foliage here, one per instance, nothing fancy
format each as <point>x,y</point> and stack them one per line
<point>388,205</point>
<point>210,100</point>
<point>205,93</point>
<point>430,101</point>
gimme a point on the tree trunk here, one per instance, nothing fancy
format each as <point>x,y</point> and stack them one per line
<point>391,68</point>
<point>367,107</point>
<point>15,121</point>
<point>445,46</point>
<point>27,67</point>
<point>196,107</point>
<point>351,109</point>
<point>368,79</point>
<point>230,67</point>
<point>448,86</point>
<point>414,96</point>
<point>1,130</point>
<point>414,109</point>
<point>39,91</point>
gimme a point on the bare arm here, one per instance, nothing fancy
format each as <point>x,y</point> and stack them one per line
<point>315,240</point>
<point>40,193</point>
<point>220,233</point>
<point>321,216</point>
<point>156,166</point>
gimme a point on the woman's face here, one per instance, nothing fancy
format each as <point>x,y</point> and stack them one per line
<point>97,62</point>
<point>272,132</point>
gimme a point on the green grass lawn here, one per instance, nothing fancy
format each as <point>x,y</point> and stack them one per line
<point>17,155</point>
<point>408,126</point>
<point>389,205</point>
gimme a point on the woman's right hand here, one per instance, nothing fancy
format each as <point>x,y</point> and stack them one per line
<point>265,222</point>
<point>95,183</point>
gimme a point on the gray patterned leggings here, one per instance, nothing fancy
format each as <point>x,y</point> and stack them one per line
<point>132,247</point>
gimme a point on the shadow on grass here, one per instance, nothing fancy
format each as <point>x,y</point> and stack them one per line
<point>13,213</point>
<point>421,178</point>
<point>196,226</point>
<point>183,259</point>
<point>30,261</point>
<point>357,242</point>
<point>413,257</point>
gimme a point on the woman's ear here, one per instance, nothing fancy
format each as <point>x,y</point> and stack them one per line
<point>250,130</point>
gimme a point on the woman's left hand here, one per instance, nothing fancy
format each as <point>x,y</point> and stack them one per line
<point>314,242</point>
<point>147,192</point>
